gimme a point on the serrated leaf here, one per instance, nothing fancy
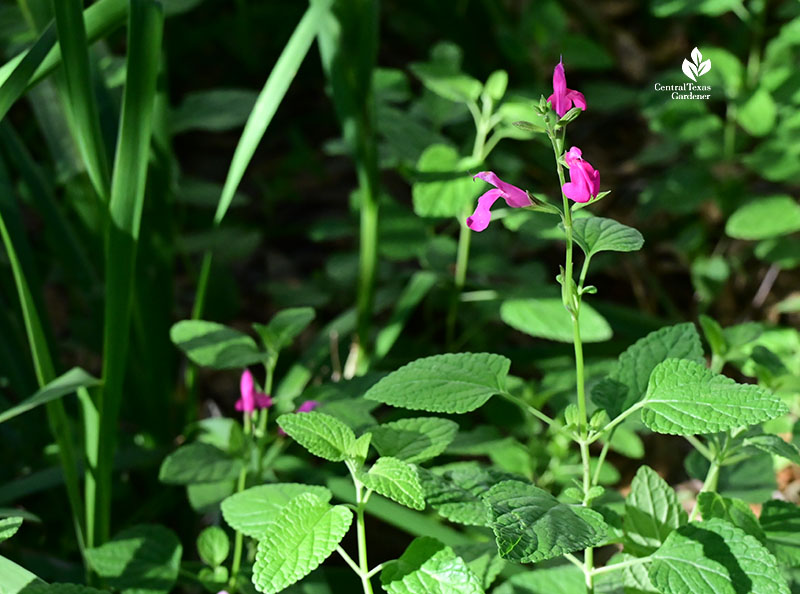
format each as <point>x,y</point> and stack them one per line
<point>456,493</point>
<point>733,511</point>
<point>64,384</point>
<point>321,434</point>
<point>546,317</point>
<point>483,560</point>
<point>431,567</point>
<point>774,444</point>
<point>213,546</point>
<point>597,234</point>
<point>9,527</point>
<point>780,521</point>
<point>685,398</point>
<point>360,449</point>
<point>561,579</point>
<point>530,525</point>
<point>451,383</point>
<point>414,440</point>
<point>141,560</point>
<point>284,327</point>
<point>213,345</point>
<point>715,556</point>
<point>198,463</point>
<point>396,480</point>
<point>442,80</point>
<point>652,511</point>
<point>627,384</point>
<point>307,531</point>
<point>252,511</point>
<point>762,218</point>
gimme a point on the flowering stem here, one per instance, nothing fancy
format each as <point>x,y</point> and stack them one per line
<point>239,539</point>
<point>572,302</point>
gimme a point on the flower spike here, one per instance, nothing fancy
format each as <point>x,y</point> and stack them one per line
<point>563,98</point>
<point>584,180</point>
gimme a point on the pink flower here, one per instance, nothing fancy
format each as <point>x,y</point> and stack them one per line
<point>251,399</point>
<point>584,180</point>
<point>514,197</point>
<point>562,97</point>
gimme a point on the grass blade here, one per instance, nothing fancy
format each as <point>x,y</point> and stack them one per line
<point>80,94</point>
<point>63,385</point>
<point>145,29</point>
<point>260,117</point>
<point>416,289</point>
<point>17,73</point>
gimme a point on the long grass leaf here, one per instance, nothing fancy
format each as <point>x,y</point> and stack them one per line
<point>67,383</point>
<point>15,75</point>
<point>145,29</point>
<point>80,94</point>
<point>418,286</point>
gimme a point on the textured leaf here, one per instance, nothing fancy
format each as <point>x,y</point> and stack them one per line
<point>685,398</point>
<point>766,217</point>
<point>530,525</point>
<point>64,384</point>
<point>447,83</point>
<point>483,560</point>
<point>546,317</point>
<point>429,566</point>
<point>321,434</point>
<point>141,560</point>
<point>652,511</point>
<point>455,493</point>
<point>252,511</point>
<point>774,444</point>
<point>452,383</point>
<point>396,480</point>
<point>780,521</point>
<point>213,546</point>
<point>716,557</point>
<point>9,527</point>
<point>596,234</point>
<point>284,327</point>
<point>198,463</point>
<point>627,384</point>
<point>213,345</point>
<point>734,511</point>
<point>307,531</point>
<point>562,579</point>
<point>414,440</point>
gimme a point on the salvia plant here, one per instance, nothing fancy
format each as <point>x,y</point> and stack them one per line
<point>476,474</point>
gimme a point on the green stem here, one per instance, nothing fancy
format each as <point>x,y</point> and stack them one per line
<point>363,565</point>
<point>602,458</point>
<point>459,279</point>
<point>698,445</point>
<point>620,565</point>
<point>239,539</point>
<point>617,420</point>
<point>709,485</point>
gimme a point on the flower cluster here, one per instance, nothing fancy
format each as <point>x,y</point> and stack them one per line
<point>584,180</point>
<point>251,399</point>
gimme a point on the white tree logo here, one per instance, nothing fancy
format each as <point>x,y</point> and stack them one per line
<point>698,68</point>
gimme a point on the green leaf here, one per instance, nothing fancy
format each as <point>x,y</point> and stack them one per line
<point>732,510</point>
<point>627,384</point>
<point>483,560</point>
<point>213,110</point>
<point>774,444</point>
<point>213,345</point>
<point>530,525</point>
<point>141,560</point>
<point>9,527</point>
<point>70,382</point>
<point>780,521</point>
<point>455,491</point>
<point>451,383</point>
<point>444,188</point>
<point>596,234</point>
<point>546,317</point>
<point>284,327</point>
<point>561,579</point>
<point>763,218</point>
<point>429,566</point>
<point>496,84</point>
<point>715,557</point>
<point>252,511</point>
<point>414,440</point>
<point>17,579</point>
<point>198,463</point>
<point>447,83</point>
<point>685,398</point>
<point>213,546</point>
<point>321,434</point>
<point>758,113</point>
<point>714,335</point>
<point>652,511</point>
<point>60,588</point>
<point>305,533</point>
<point>396,480</point>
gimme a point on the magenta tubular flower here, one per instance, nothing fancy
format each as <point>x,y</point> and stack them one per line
<point>563,98</point>
<point>584,180</point>
<point>307,406</point>
<point>514,197</point>
<point>251,399</point>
